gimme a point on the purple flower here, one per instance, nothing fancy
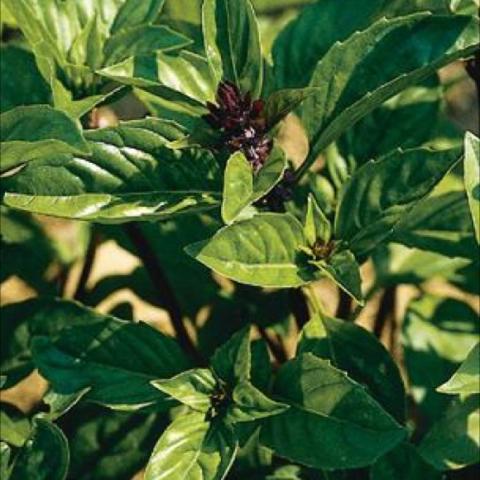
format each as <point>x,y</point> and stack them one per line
<point>241,123</point>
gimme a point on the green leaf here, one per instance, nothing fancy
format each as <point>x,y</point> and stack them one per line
<point>40,316</point>
<point>237,188</point>
<point>192,388</point>
<point>16,90</point>
<point>356,351</point>
<point>142,40</point>
<point>454,441</point>
<point>403,463</point>
<point>242,187</point>
<point>134,12</point>
<point>396,264</point>
<point>232,43</point>
<point>466,380</point>
<point>44,456</point>
<point>192,449</point>
<point>472,179</point>
<point>5,454</point>
<point>408,120</point>
<point>231,362</point>
<point>15,425</point>
<point>351,85</point>
<point>282,102</point>
<point>440,224</point>
<point>125,440</point>
<point>99,356</point>
<point>28,133</point>
<point>436,334</point>
<point>250,404</point>
<point>131,174</point>
<point>317,226</point>
<point>345,427</point>
<point>261,251</point>
<point>380,194</point>
<point>344,270</point>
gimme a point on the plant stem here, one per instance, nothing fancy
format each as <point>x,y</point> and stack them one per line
<point>299,306</point>
<point>277,348</point>
<point>164,290</point>
<point>386,310</point>
<point>81,289</point>
<point>344,305</point>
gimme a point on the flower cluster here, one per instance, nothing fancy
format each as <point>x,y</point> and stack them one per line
<point>241,123</point>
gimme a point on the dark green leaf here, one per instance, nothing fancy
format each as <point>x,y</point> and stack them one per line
<point>192,388</point>
<point>232,43</point>
<point>403,463</point>
<point>191,449</point>
<point>5,453</point>
<point>44,456</point>
<point>232,361</point>
<point>27,133</point>
<point>41,316</point>
<point>343,269</point>
<point>29,88</point>
<point>381,193</point>
<point>356,351</point>
<point>99,356</point>
<point>454,441</point>
<point>135,12</point>
<point>282,102</point>
<point>344,426</point>
<point>440,224</point>
<point>350,83</point>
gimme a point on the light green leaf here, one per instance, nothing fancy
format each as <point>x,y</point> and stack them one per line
<point>243,187</point>
<point>344,270</point>
<point>27,133</point>
<point>454,441</point>
<point>15,425</point>
<point>250,404</point>
<point>192,449</point>
<point>345,427</point>
<point>5,454</point>
<point>379,195</point>
<point>317,226</point>
<point>26,89</point>
<point>131,174</point>
<point>231,362</point>
<point>99,356</point>
<point>466,379</point>
<point>350,85</point>
<point>192,388</point>
<point>237,188</point>
<point>440,224</point>
<point>356,351</point>
<point>44,456</point>
<point>262,251</point>
<point>436,334</point>
<point>472,178</point>
<point>232,43</point>
<point>403,463</point>
<point>170,77</point>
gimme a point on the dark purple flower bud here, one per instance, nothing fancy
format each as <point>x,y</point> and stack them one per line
<point>241,122</point>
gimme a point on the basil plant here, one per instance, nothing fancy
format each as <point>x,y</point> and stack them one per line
<point>240,239</point>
